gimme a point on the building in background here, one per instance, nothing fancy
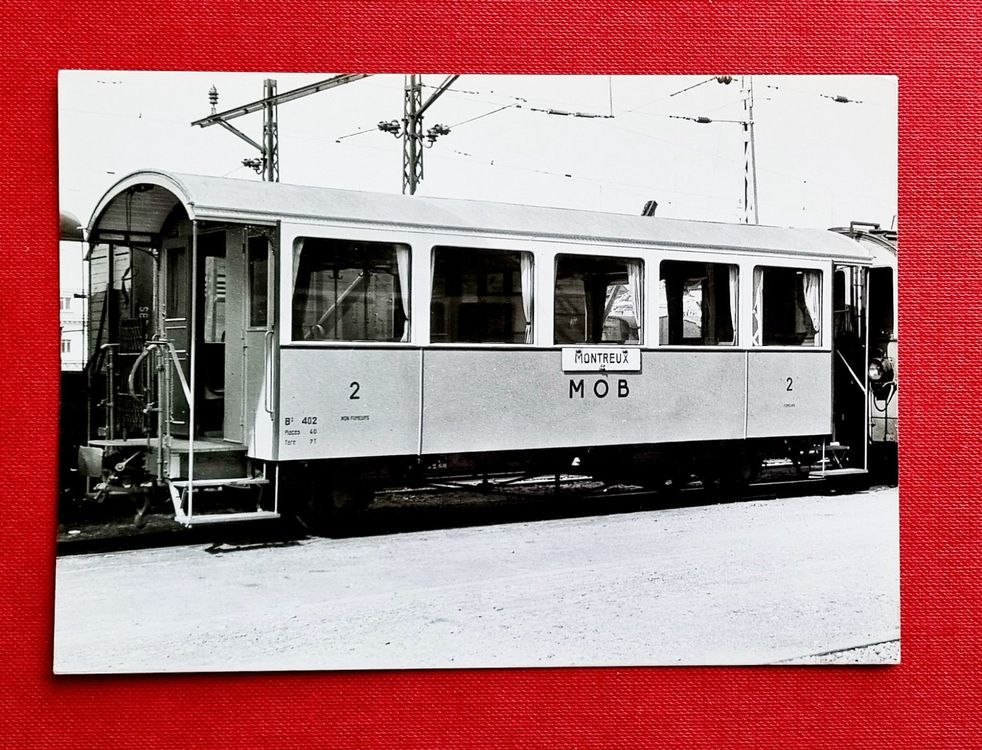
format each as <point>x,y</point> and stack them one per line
<point>73,303</point>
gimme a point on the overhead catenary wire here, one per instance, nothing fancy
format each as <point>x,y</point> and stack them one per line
<point>539,106</point>
<point>567,113</point>
<point>517,103</point>
<point>365,131</point>
<point>837,98</point>
<point>519,99</point>
<point>352,135</point>
<point>521,103</point>
<point>486,114</point>
<point>496,163</point>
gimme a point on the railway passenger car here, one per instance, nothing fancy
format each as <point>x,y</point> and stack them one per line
<point>299,346</point>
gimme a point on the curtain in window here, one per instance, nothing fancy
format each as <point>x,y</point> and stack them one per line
<point>636,290</point>
<point>758,321</point>
<point>402,264</point>
<point>297,249</point>
<point>733,273</point>
<point>299,300</point>
<point>812,286</point>
<point>526,259</point>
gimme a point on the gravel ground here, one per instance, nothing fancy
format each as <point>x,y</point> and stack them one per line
<point>754,582</point>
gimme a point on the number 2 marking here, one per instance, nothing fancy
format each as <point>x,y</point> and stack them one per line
<point>790,381</point>
<point>355,387</point>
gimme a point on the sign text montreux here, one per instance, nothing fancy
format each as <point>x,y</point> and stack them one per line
<point>601,359</point>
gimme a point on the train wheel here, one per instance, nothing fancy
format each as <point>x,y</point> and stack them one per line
<point>731,477</point>
<point>143,506</point>
<point>329,510</point>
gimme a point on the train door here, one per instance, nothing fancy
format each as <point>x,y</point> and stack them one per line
<point>849,402</point>
<point>210,335</point>
<point>197,312</point>
<point>258,344</point>
<point>175,320</point>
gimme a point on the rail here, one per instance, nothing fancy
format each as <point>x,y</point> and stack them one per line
<point>855,377</point>
<point>109,402</point>
<point>169,349</point>
<point>168,353</point>
<point>268,390</point>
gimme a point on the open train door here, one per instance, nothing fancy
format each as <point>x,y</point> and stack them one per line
<point>847,451</point>
<point>193,296</point>
<point>224,331</point>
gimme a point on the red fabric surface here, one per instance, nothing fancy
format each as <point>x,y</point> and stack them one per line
<point>932,699</point>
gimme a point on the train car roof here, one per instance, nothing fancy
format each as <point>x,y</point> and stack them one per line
<point>70,228</point>
<point>133,211</point>
<point>881,244</point>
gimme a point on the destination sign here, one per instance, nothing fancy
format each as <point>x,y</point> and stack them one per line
<point>601,359</point>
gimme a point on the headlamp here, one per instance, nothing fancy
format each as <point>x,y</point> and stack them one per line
<point>880,370</point>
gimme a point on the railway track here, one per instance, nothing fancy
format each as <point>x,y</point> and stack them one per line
<point>456,502</point>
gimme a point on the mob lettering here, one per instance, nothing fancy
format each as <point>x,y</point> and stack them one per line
<point>601,388</point>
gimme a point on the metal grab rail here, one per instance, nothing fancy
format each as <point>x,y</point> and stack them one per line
<point>131,378</point>
<point>169,349</point>
<point>855,377</point>
<point>109,402</point>
<point>268,390</point>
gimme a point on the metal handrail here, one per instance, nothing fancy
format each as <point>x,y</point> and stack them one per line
<point>131,378</point>
<point>855,377</point>
<point>268,391</point>
<point>110,400</point>
<point>170,349</point>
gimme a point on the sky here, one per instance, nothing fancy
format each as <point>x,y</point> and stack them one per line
<point>820,163</point>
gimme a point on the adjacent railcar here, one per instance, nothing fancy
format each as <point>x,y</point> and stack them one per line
<point>883,361</point>
<point>304,345</point>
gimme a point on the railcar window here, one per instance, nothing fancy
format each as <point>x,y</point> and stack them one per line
<point>481,296</point>
<point>214,283</point>
<point>177,282</point>
<point>350,291</point>
<point>787,307</point>
<point>697,303</point>
<point>258,250</point>
<point>881,302</point>
<point>598,300</point>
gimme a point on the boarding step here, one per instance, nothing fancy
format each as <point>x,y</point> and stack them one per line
<point>219,482</point>
<point>255,515</point>
<point>183,494</point>
<point>837,473</point>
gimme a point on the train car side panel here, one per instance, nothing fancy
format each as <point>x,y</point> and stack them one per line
<point>348,403</point>
<point>789,393</point>
<point>518,400</point>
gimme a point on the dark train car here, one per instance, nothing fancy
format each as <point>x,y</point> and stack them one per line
<point>74,399</point>
<point>304,345</point>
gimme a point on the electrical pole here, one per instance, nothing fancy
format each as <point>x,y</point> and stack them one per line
<point>412,135</point>
<point>411,129</point>
<point>749,148</point>
<point>268,163</point>
<point>271,141</point>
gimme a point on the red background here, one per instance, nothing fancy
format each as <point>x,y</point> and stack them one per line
<point>932,699</point>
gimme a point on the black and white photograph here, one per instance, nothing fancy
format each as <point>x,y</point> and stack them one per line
<point>427,371</point>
